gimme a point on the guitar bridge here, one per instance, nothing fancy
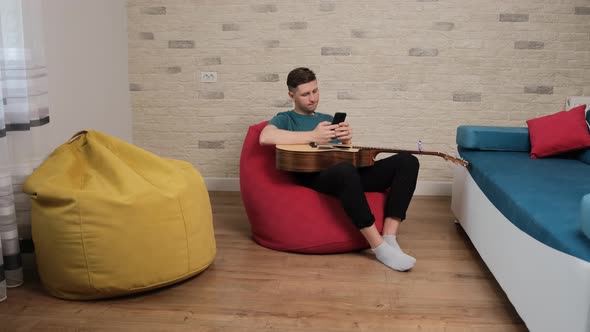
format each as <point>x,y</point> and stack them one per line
<point>331,147</point>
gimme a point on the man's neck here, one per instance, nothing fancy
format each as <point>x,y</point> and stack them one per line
<point>303,112</point>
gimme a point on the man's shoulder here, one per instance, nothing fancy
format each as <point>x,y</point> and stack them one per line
<point>282,114</point>
<point>280,120</point>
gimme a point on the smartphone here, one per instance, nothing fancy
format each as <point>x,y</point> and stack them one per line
<point>339,117</point>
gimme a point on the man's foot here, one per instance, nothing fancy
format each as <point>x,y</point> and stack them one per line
<point>392,241</point>
<point>393,257</point>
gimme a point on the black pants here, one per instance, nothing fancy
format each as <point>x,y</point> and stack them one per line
<point>398,172</point>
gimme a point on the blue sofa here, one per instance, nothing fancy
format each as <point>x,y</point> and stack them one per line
<point>529,220</point>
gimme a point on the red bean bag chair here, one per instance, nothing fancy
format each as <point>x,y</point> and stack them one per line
<point>286,216</point>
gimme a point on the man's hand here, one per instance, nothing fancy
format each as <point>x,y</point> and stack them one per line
<point>324,132</point>
<point>344,133</point>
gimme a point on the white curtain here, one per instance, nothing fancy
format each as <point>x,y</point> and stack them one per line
<point>24,115</point>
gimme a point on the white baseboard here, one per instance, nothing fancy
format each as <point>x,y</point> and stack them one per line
<point>423,188</point>
<point>222,184</point>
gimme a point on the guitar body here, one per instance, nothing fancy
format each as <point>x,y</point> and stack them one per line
<point>306,159</point>
<point>314,158</point>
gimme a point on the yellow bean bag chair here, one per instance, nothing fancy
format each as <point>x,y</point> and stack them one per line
<point>109,219</point>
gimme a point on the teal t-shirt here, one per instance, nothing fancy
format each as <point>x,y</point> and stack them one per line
<point>294,121</point>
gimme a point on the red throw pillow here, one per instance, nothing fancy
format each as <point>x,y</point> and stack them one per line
<point>559,132</point>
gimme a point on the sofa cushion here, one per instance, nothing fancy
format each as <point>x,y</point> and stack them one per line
<point>585,215</point>
<point>584,156</point>
<point>493,138</point>
<point>559,132</point>
<point>539,196</point>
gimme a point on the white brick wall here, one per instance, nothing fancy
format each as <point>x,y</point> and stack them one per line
<point>402,70</point>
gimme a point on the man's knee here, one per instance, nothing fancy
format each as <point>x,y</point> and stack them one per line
<point>409,162</point>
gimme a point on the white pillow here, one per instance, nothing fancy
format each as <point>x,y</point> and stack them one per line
<point>574,101</point>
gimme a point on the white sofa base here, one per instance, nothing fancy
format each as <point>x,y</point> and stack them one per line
<point>549,289</point>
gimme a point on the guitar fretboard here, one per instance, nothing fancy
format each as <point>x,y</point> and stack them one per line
<point>382,149</point>
<point>388,150</point>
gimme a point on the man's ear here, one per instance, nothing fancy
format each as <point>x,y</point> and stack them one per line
<point>291,95</point>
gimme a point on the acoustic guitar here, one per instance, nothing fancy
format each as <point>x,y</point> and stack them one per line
<point>314,157</point>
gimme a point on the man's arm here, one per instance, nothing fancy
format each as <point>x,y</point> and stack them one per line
<point>271,135</point>
<point>323,133</point>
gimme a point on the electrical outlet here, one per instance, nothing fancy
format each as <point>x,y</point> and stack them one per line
<point>209,76</point>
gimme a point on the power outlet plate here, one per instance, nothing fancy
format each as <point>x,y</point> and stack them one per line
<point>209,76</point>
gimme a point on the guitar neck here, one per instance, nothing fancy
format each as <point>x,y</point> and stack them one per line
<point>376,150</point>
<point>389,150</point>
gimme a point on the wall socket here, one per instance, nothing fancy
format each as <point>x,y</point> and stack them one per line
<point>209,76</point>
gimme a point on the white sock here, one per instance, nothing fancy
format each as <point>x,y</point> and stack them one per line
<point>394,258</point>
<point>392,241</point>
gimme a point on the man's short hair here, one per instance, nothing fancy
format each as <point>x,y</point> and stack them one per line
<point>299,76</point>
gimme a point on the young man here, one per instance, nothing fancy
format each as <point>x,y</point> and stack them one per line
<point>399,172</point>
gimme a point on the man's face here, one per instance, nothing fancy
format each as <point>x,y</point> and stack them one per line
<point>306,97</point>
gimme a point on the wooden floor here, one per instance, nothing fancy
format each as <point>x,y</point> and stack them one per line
<point>251,288</point>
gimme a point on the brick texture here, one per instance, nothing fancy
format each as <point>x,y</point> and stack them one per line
<point>504,17</point>
<point>529,45</point>
<point>402,70</point>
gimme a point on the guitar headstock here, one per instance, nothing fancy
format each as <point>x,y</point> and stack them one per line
<point>457,161</point>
